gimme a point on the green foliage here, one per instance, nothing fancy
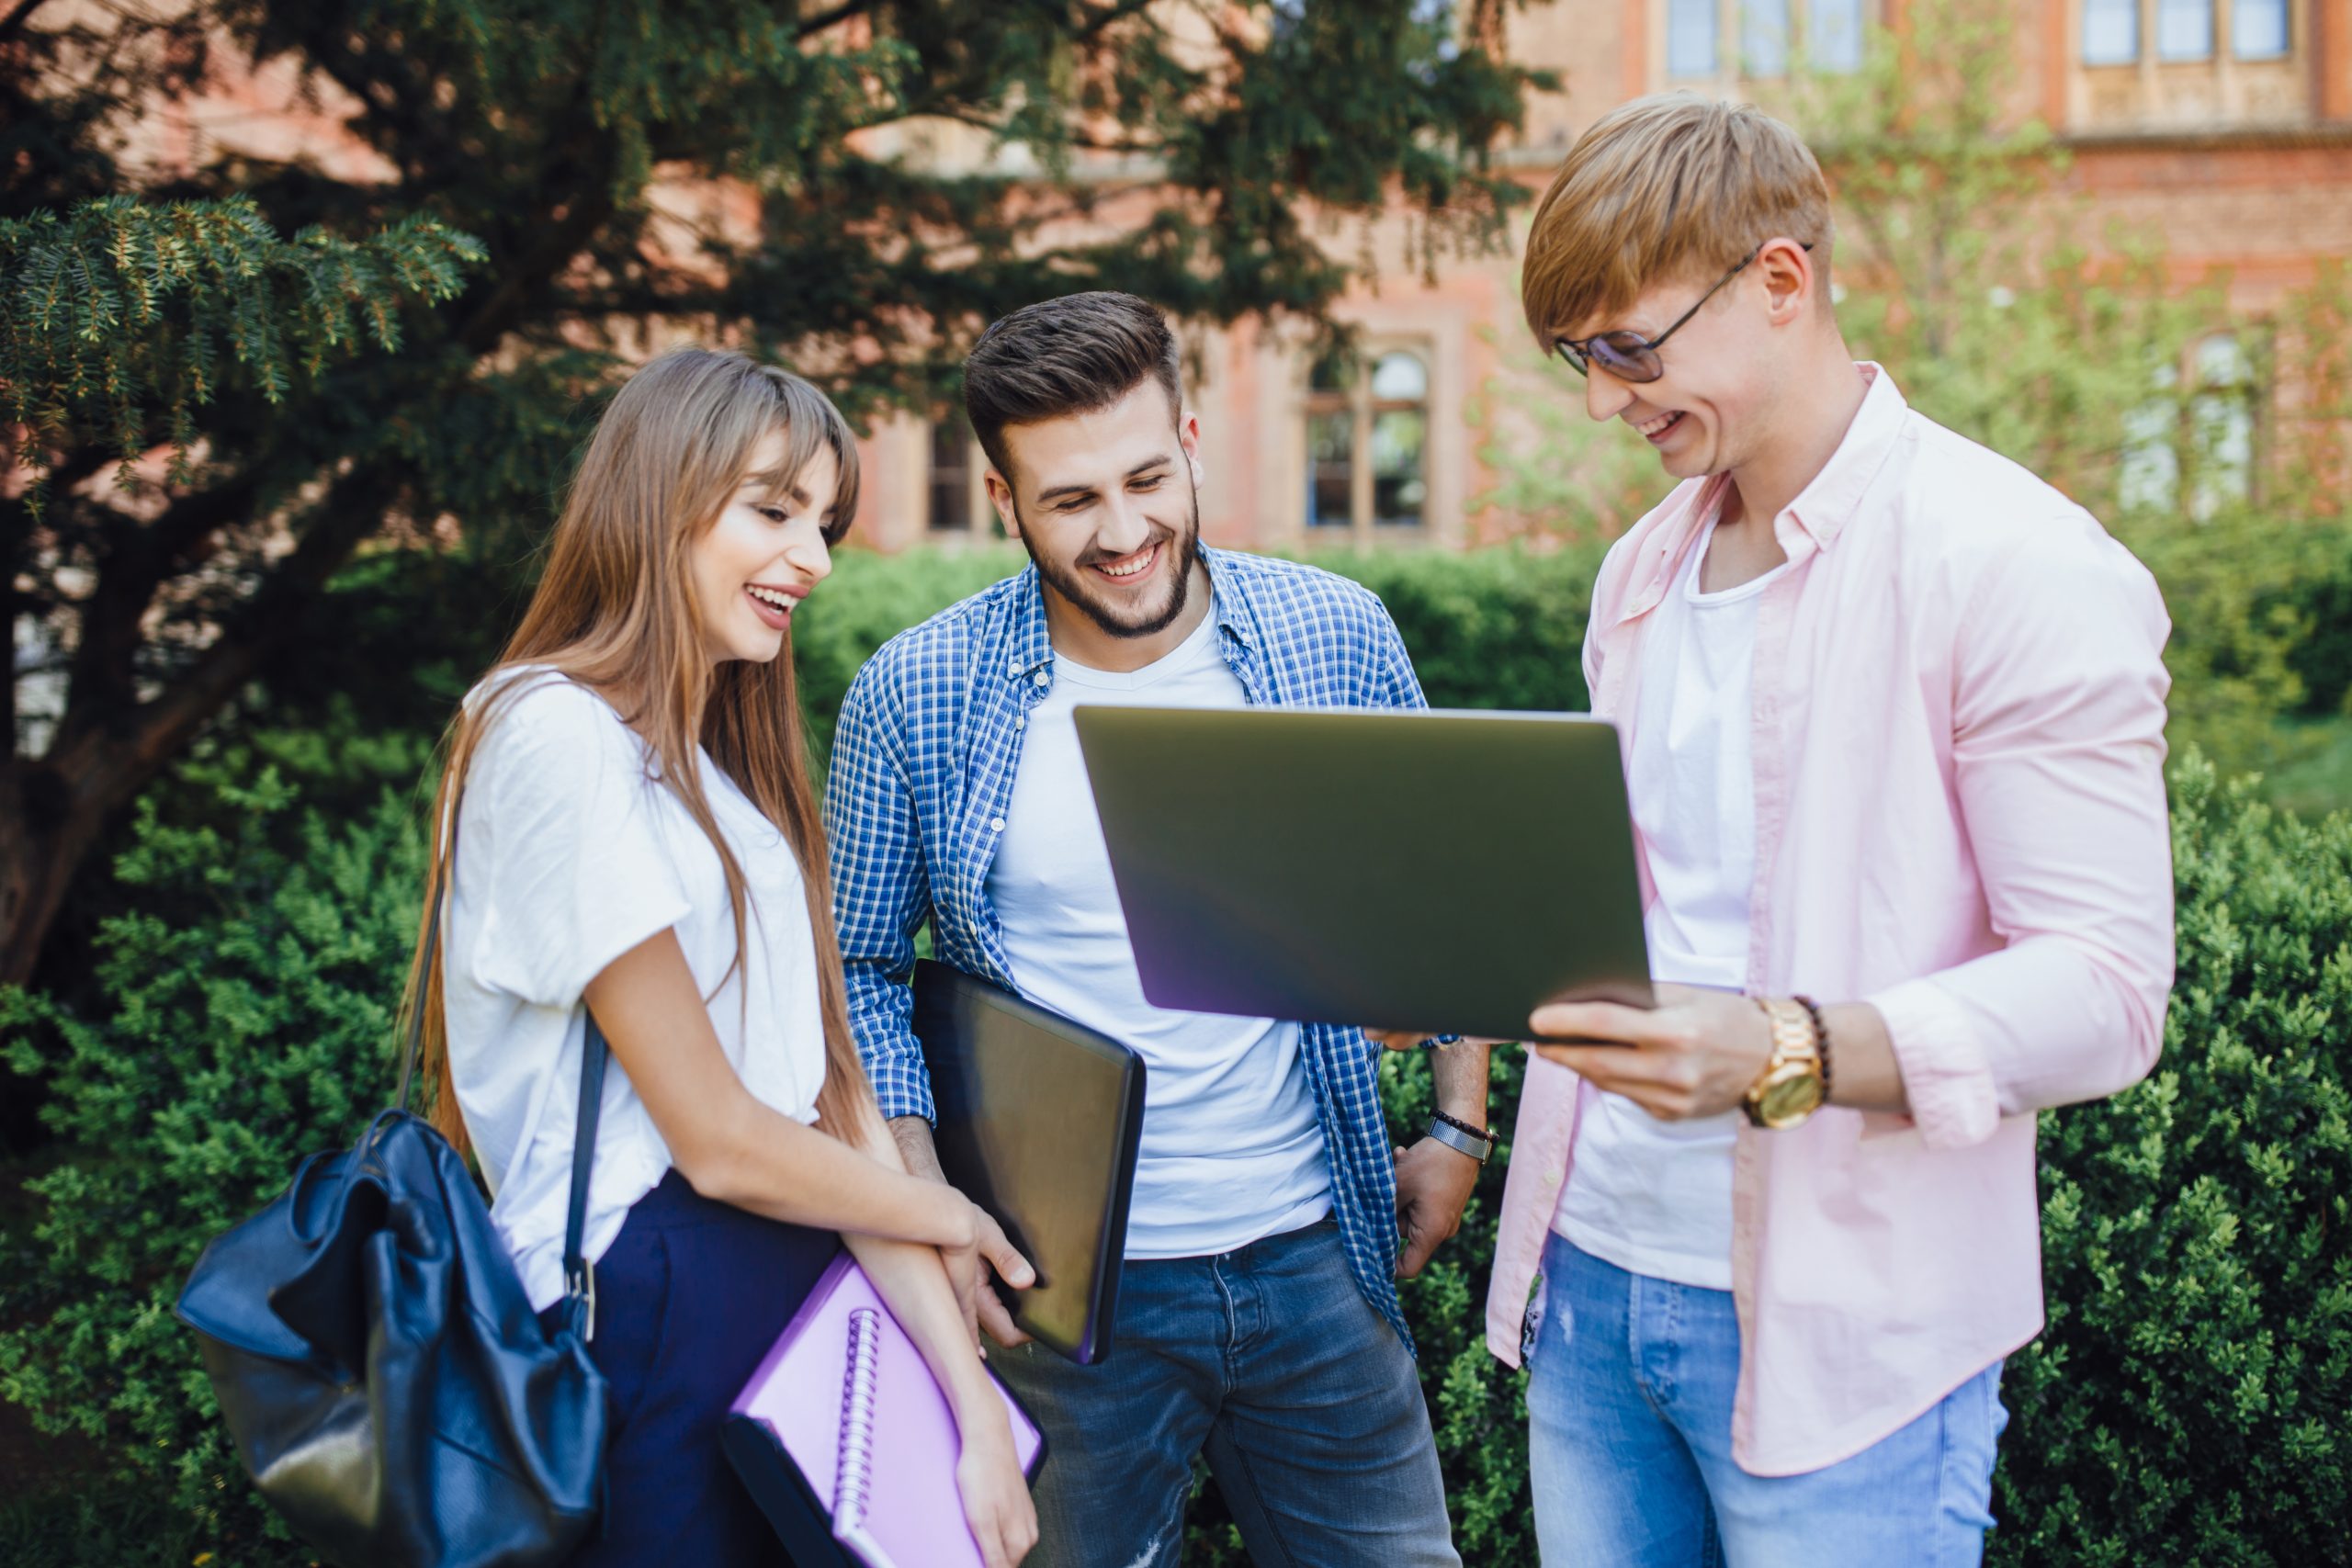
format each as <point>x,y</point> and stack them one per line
<point>118,313</point>
<point>2189,1400</point>
<point>1497,628</point>
<point>1967,274</point>
<point>245,1019</point>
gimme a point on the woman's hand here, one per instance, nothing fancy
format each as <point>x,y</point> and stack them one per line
<point>996,1495</point>
<point>968,1271</point>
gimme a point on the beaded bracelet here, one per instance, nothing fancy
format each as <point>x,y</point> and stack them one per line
<point>1820,1043</point>
<point>1458,1123</point>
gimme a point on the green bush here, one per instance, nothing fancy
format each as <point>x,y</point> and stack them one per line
<point>2192,1399</point>
<point>245,1021</point>
<point>1493,629</point>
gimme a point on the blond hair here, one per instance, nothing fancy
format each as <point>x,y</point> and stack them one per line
<point>1666,187</point>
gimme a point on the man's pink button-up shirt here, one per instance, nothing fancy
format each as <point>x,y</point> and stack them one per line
<point>1960,818</point>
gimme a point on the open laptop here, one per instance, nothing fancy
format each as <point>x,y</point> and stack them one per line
<point>1399,870</point>
<point>1039,1121</point>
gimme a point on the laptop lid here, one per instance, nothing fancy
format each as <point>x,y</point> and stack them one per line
<point>1040,1120</point>
<point>1394,869</point>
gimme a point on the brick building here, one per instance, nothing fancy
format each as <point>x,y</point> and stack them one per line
<point>2222,127</point>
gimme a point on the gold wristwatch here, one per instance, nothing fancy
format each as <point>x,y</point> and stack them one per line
<point>1792,1085</point>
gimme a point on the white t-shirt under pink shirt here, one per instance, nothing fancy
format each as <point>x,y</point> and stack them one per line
<point>1649,1196</point>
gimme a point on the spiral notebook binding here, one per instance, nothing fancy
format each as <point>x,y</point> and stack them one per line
<point>854,1477</point>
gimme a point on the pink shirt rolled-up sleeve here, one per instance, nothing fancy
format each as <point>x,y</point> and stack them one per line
<point>2058,716</point>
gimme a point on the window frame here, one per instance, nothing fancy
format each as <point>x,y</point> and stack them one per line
<point>1363,526</point>
<point>2154,91</point>
<point>1732,71</point>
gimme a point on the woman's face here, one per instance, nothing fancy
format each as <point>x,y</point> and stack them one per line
<point>754,567</point>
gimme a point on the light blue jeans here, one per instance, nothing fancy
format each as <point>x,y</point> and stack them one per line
<point>1629,1446</point>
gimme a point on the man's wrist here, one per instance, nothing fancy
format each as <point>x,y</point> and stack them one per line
<point>1471,1142</point>
<point>913,1135</point>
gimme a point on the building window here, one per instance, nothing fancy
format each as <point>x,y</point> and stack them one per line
<point>2110,32</point>
<point>2258,30</point>
<point>1764,37</point>
<point>2208,436</point>
<point>1330,446</point>
<point>956,494</point>
<point>1367,444</point>
<point>2220,426</point>
<point>2184,29</point>
<point>1690,37</point>
<point>1836,42</point>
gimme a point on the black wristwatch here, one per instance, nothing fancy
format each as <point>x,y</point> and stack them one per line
<point>1459,1135</point>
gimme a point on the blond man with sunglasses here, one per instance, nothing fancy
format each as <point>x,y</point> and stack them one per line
<point>1893,720</point>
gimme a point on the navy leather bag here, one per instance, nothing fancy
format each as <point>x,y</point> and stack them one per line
<point>387,1383</point>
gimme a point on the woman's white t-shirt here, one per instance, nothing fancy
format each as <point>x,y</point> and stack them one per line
<point>569,853</point>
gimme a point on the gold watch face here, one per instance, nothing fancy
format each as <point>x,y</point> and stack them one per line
<point>1789,1098</point>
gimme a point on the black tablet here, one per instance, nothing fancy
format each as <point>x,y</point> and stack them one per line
<point>1039,1119</point>
<point>1390,868</point>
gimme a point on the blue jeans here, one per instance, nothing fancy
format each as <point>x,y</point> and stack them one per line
<point>1269,1361</point>
<point>1629,1446</point>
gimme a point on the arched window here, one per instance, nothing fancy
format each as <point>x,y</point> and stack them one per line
<point>1367,444</point>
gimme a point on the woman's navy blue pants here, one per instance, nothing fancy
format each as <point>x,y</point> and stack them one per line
<point>689,1298</point>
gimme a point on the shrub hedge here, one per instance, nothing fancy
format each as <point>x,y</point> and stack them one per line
<point>2191,1402</point>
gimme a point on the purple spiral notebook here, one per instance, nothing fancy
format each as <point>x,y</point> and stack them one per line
<point>849,1446</point>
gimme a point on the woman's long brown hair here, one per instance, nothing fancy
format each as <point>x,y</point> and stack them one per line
<point>616,611</point>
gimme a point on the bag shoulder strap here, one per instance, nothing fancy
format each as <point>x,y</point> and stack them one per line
<point>579,1279</point>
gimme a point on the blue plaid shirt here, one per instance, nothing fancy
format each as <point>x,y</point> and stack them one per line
<point>923,760</point>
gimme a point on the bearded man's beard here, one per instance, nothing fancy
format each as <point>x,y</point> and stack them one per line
<point>1075,584</point>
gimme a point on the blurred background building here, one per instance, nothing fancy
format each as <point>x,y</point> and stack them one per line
<point>2218,130</point>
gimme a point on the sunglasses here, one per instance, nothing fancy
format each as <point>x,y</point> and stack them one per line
<point>1627,355</point>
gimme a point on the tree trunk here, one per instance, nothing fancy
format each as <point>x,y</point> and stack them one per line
<point>47,827</point>
<point>54,808</point>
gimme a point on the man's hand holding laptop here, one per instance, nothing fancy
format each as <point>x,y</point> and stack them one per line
<point>1697,1052</point>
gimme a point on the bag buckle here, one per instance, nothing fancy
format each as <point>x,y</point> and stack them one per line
<point>582,1286</point>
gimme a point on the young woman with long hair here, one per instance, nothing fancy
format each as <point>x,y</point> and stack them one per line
<point>626,825</point>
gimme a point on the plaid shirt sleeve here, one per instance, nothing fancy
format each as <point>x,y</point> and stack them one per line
<point>1395,684</point>
<point>881,892</point>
